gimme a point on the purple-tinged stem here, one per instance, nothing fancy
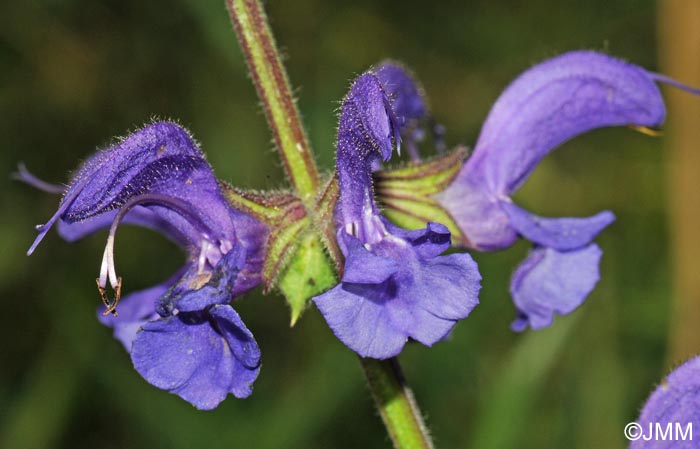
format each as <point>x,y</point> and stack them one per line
<point>271,82</point>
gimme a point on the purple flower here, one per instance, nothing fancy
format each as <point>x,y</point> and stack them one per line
<point>676,402</point>
<point>410,106</point>
<point>395,284</point>
<point>196,345</point>
<point>545,106</point>
<point>182,334</point>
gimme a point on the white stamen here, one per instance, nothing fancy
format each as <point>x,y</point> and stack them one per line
<point>108,269</point>
<point>108,261</point>
<point>104,269</point>
<point>202,260</point>
<point>350,228</point>
<point>225,246</point>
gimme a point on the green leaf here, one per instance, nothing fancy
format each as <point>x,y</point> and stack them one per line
<point>309,272</point>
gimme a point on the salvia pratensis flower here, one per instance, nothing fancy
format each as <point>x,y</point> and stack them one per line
<point>395,284</point>
<point>675,405</point>
<point>548,104</point>
<point>183,336</point>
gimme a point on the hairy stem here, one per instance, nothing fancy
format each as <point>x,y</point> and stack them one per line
<point>271,82</point>
<point>395,402</point>
<point>393,398</point>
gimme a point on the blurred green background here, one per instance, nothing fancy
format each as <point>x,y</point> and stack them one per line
<point>73,74</point>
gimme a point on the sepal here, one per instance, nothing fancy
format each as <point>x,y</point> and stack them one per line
<point>407,192</point>
<point>308,273</point>
<point>428,177</point>
<point>267,207</point>
<point>284,214</point>
<point>300,251</point>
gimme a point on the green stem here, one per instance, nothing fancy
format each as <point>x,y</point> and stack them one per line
<point>393,398</point>
<point>395,402</point>
<point>271,82</point>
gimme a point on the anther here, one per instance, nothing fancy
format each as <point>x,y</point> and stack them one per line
<point>110,303</point>
<point>647,131</point>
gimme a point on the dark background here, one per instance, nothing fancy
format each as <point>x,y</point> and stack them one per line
<point>73,74</point>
